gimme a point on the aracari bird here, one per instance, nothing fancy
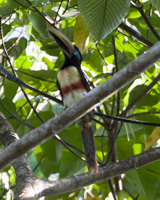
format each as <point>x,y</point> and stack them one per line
<point>73,86</point>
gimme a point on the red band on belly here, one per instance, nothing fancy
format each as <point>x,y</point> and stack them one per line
<point>73,86</point>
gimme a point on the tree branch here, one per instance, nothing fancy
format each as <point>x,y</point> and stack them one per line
<point>70,184</point>
<point>81,107</point>
<point>140,9</point>
<point>141,95</point>
<point>136,34</point>
<point>30,188</point>
<point>20,82</point>
<point>21,165</point>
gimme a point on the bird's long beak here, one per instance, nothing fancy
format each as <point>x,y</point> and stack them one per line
<point>62,41</point>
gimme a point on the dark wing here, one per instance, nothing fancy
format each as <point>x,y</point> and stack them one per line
<point>57,83</point>
<point>85,82</point>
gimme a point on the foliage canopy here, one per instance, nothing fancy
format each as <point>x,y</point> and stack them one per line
<point>109,34</point>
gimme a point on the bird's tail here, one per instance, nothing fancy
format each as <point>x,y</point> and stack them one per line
<point>89,148</point>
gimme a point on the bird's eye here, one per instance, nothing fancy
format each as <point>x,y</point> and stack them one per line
<point>75,52</point>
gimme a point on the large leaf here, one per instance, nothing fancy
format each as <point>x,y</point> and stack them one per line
<point>39,24</point>
<point>149,176</point>
<point>81,34</point>
<point>103,16</point>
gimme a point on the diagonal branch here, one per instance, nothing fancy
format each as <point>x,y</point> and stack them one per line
<point>30,187</point>
<point>76,182</point>
<point>81,107</point>
<point>140,9</point>
<point>20,82</point>
<point>136,34</point>
<point>141,95</point>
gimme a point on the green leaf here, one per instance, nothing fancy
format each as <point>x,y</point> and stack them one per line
<point>156,4</point>
<point>149,178</point>
<point>3,3</point>
<point>53,151</point>
<point>49,63</point>
<point>17,49</point>
<point>39,24</point>
<point>56,108</point>
<point>43,79</point>
<point>6,29</point>
<point>10,89</point>
<point>137,148</point>
<point>103,16</point>
<point>133,13</point>
<point>7,6</point>
<point>133,183</point>
<point>124,148</point>
<point>49,75</point>
<point>9,105</point>
<point>23,62</point>
<point>81,34</point>
<point>70,164</point>
<point>95,62</point>
<point>22,129</point>
<point>38,2</point>
<point>46,166</point>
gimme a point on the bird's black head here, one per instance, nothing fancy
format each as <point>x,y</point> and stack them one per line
<point>71,52</point>
<point>76,57</point>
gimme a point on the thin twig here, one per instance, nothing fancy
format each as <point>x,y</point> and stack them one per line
<point>109,155</point>
<point>123,119</point>
<point>6,20</point>
<point>105,61</point>
<point>116,66</point>
<point>46,17</point>
<point>140,9</point>
<point>7,56</point>
<point>143,113</point>
<point>35,77</point>
<point>39,162</point>
<point>102,145</point>
<point>141,95</point>
<point>15,117</point>
<point>67,6</point>
<point>17,40</point>
<point>134,198</point>
<point>24,6</point>
<point>20,82</point>
<point>64,144</point>
<point>58,11</point>
<point>136,34</point>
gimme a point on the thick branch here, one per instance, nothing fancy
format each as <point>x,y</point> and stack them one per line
<point>30,188</point>
<point>79,181</point>
<point>79,108</point>
<point>21,165</point>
